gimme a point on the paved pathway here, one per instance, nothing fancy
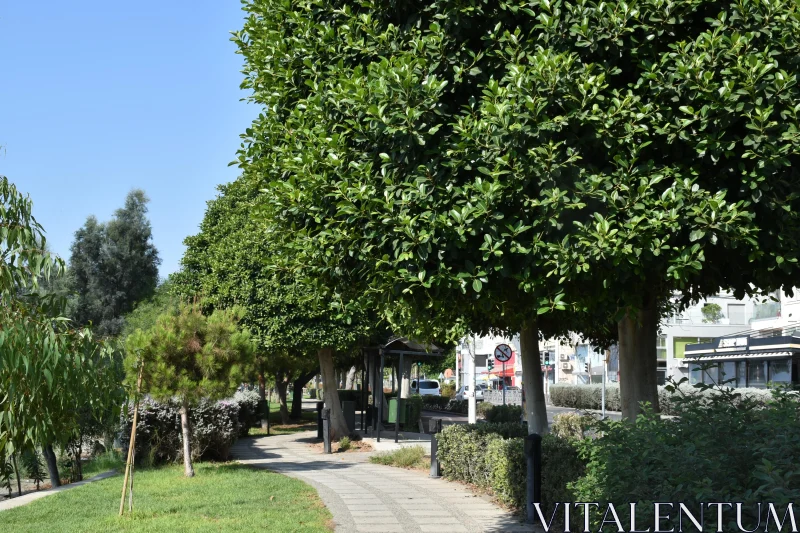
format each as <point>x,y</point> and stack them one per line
<point>375,498</point>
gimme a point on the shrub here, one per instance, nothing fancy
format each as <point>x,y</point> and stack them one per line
<point>571,426</point>
<point>504,413</point>
<point>457,406</point>
<point>344,444</point>
<point>449,390</point>
<point>6,473</point>
<point>590,396</point>
<point>249,402</point>
<point>722,446</point>
<point>33,466</point>
<point>405,457</point>
<point>215,426</point>
<point>484,408</point>
<point>492,457</point>
<point>436,403</point>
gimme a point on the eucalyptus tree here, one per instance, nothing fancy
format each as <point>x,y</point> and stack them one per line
<point>190,356</point>
<point>514,160</point>
<point>236,260</point>
<point>46,366</point>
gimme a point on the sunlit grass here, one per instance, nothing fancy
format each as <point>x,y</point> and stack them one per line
<point>221,497</point>
<point>406,457</point>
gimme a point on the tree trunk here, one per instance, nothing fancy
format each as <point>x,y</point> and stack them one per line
<point>16,470</point>
<point>638,359</point>
<point>281,384</point>
<point>262,392</point>
<point>297,394</point>
<point>337,422</point>
<point>533,378</point>
<point>52,465</point>
<point>187,447</point>
<point>351,378</point>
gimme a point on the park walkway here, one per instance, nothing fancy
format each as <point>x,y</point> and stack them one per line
<point>376,498</point>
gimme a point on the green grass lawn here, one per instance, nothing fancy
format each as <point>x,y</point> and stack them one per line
<point>221,497</point>
<point>307,422</point>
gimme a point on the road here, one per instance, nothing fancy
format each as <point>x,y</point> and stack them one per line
<point>552,411</point>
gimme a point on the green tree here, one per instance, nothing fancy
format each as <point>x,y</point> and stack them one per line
<point>235,260</point>
<point>190,356</point>
<point>46,366</point>
<point>113,266</point>
<point>492,165</point>
<point>712,313</point>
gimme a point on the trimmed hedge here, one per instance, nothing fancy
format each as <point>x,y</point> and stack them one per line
<point>249,410</point>
<point>504,413</point>
<point>437,403</point>
<point>492,457</point>
<point>215,428</point>
<point>589,396</point>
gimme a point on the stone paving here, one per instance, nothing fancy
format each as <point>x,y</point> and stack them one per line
<point>376,498</point>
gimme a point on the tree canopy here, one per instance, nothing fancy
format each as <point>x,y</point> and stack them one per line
<point>114,265</point>
<point>510,161</point>
<point>190,356</point>
<point>47,367</point>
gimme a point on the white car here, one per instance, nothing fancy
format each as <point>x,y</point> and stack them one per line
<point>426,387</point>
<point>462,392</point>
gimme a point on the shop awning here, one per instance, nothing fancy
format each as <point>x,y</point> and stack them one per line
<point>737,356</point>
<point>499,372</point>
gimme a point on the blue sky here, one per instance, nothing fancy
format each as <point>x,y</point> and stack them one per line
<point>97,98</point>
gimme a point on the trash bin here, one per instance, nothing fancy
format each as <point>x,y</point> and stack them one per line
<point>393,412</point>
<point>349,410</point>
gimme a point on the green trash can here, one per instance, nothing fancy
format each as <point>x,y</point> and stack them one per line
<point>393,412</point>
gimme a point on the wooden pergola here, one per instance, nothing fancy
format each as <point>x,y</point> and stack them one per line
<point>396,348</point>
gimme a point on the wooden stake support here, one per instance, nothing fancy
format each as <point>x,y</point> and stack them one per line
<point>131,454</point>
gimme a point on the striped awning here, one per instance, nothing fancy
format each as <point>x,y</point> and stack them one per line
<point>738,356</point>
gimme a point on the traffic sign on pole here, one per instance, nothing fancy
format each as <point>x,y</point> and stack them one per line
<point>502,353</point>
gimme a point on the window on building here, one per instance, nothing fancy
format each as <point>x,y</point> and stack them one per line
<point>757,374</point>
<point>736,313</point>
<point>679,344</point>
<point>728,374</point>
<point>695,374</point>
<point>711,374</point>
<point>741,374</point>
<point>661,373</point>
<point>780,371</point>
<point>661,347</point>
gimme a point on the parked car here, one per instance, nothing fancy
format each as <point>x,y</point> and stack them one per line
<point>427,387</point>
<point>479,389</point>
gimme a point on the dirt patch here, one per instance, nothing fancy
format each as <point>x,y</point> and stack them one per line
<point>355,446</point>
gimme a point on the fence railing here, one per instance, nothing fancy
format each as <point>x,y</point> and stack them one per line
<point>495,397</point>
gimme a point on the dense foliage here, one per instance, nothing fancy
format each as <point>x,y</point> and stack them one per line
<point>47,368</point>
<point>720,448</point>
<point>191,357</point>
<point>589,396</point>
<point>476,165</point>
<point>215,426</point>
<point>113,266</point>
<point>491,457</point>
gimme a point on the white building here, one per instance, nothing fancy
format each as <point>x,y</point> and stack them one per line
<point>576,362</point>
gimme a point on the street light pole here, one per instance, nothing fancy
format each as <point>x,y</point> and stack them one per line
<point>471,399</point>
